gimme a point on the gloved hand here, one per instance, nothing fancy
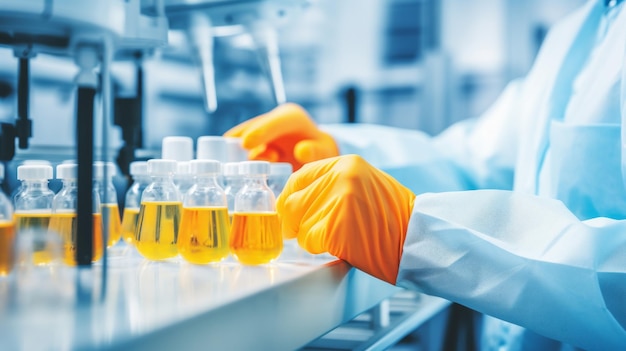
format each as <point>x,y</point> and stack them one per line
<point>350,209</point>
<point>285,134</point>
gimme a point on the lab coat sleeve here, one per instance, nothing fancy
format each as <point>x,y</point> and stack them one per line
<point>524,259</point>
<point>471,154</point>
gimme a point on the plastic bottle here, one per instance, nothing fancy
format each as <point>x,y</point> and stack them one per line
<point>279,174</point>
<point>64,221</point>
<point>33,210</point>
<point>179,149</point>
<point>233,182</point>
<point>204,228</point>
<point>234,150</point>
<point>141,179</point>
<point>7,231</point>
<point>211,147</point>
<point>255,235</point>
<point>108,203</point>
<point>160,213</point>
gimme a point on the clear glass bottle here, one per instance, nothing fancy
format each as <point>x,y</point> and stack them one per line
<point>204,227</point>
<point>183,179</point>
<point>179,149</point>
<point>33,210</point>
<point>160,212</point>
<point>141,179</point>
<point>255,236</point>
<point>64,220</point>
<point>279,174</point>
<point>108,203</point>
<point>7,232</point>
<point>233,182</point>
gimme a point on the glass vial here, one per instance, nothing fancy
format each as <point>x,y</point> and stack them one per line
<point>179,149</point>
<point>141,179</point>
<point>159,215</point>
<point>233,182</point>
<point>33,210</point>
<point>204,227</point>
<point>7,232</point>
<point>64,221</point>
<point>255,237</point>
<point>108,203</point>
<point>279,174</point>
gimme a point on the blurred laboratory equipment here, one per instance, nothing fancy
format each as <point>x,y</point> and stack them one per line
<point>204,226</point>
<point>33,209</point>
<point>141,179</point>
<point>279,174</point>
<point>212,147</point>
<point>91,34</point>
<point>7,231</point>
<point>103,184</point>
<point>160,212</point>
<point>63,220</point>
<point>206,20</point>
<point>255,234</point>
<point>233,182</point>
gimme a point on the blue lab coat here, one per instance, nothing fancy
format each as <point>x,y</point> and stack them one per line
<point>537,236</point>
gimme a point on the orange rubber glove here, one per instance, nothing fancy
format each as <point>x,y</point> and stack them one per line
<point>285,134</point>
<point>350,209</point>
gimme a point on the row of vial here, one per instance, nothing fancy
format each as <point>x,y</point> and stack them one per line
<point>162,222</point>
<point>208,221</point>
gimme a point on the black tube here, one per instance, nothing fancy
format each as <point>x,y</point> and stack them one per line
<point>84,153</point>
<point>23,124</point>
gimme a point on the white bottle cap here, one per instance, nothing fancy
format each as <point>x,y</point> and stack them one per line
<point>177,148</point>
<point>234,150</point>
<point>34,172</point>
<point>205,167</point>
<point>182,168</point>
<point>138,168</point>
<point>212,147</point>
<point>254,168</point>
<point>230,169</point>
<point>161,167</point>
<point>67,171</point>
<point>98,169</point>
<point>281,168</point>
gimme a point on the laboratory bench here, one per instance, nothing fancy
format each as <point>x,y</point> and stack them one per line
<point>170,305</point>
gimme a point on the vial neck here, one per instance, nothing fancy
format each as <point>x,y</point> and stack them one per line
<point>70,183</point>
<point>161,178</point>
<point>35,184</point>
<point>206,181</point>
<point>256,180</point>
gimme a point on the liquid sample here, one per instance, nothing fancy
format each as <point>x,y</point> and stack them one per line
<point>66,225</point>
<point>38,222</point>
<point>256,237</point>
<point>129,224</point>
<point>115,224</point>
<point>7,240</point>
<point>203,236</point>
<point>157,229</point>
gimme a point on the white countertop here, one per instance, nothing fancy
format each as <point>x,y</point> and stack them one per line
<point>177,305</point>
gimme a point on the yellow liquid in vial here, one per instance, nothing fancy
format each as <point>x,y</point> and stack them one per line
<point>115,224</point>
<point>203,236</point>
<point>157,229</point>
<point>66,225</point>
<point>38,221</point>
<point>7,239</point>
<point>129,224</point>
<point>255,237</point>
